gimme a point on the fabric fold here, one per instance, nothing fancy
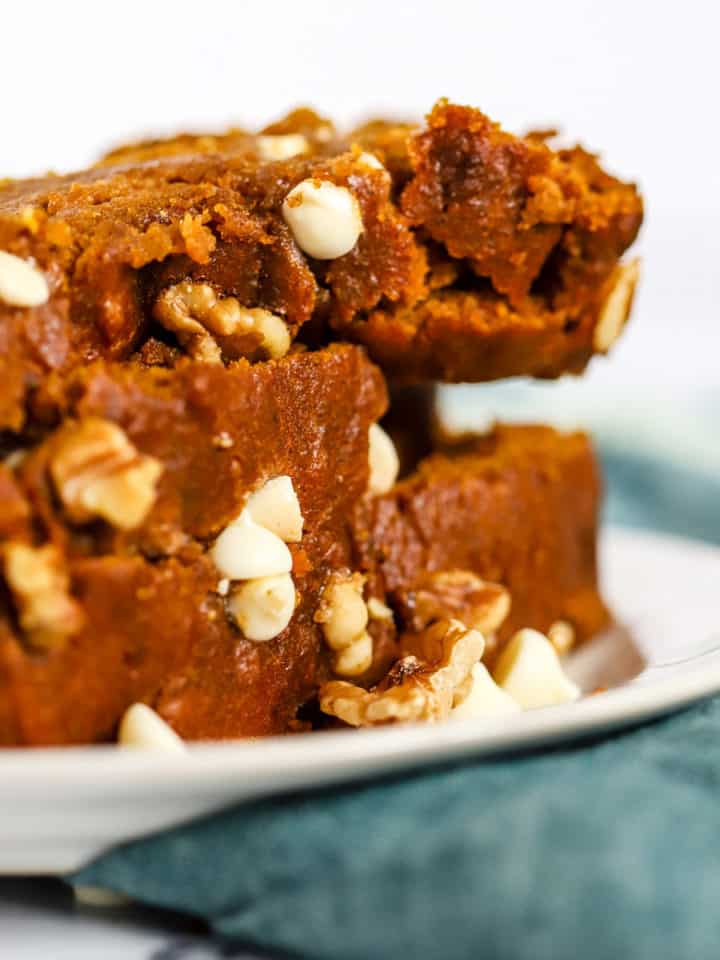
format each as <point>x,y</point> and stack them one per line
<point>609,849</point>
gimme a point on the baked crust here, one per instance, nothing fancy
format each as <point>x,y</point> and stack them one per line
<point>482,254</point>
<point>111,240</point>
<point>519,507</point>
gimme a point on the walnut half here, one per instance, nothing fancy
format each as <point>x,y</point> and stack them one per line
<point>98,472</point>
<point>455,594</point>
<point>422,686</point>
<point>197,316</point>
<point>40,587</point>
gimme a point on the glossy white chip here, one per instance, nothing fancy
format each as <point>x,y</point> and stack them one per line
<point>529,670</point>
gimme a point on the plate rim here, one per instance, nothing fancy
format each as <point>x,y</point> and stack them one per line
<point>62,807</point>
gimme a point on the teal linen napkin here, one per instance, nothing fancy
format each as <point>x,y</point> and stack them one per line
<point>603,852</point>
<point>607,851</point>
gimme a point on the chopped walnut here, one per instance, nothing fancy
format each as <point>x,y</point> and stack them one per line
<point>343,615</point>
<point>98,472</point>
<point>458,594</point>
<point>377,610</point>
<point>204,349</point>
<point>421,687</point>
<point>40,586</point>
<point>342,611</point>
<point>197,315</point>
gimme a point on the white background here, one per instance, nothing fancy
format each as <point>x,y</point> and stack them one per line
<point>637,80</point>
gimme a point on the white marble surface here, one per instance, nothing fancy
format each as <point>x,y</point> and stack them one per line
<point>39,920</point>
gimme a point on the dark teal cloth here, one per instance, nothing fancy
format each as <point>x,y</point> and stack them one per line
<point>647,492</point>
<point>604,851</point>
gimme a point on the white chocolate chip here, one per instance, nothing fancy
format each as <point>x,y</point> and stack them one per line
<point>344,614</point>
<point>355,659</point>
<point>245,550</point>
<point>324,219</point>
<point>275,506</point>
<point>281,146</point>
<point>562,636</point>
<point>485,699</point>
<point>370,160</point>
<point>223,587</point>
<point>530,671</point>
<point>616,308</point>
<point>142,727</point>
<point>378,610</point>
<point>262,608</point>
<point>21,283</point>
<point>384,461</point>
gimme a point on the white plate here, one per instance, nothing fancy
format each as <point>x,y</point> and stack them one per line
<point>60,808</point>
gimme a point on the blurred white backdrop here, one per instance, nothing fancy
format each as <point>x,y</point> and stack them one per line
<point>635,80</point>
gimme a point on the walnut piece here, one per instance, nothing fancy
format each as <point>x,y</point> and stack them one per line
<point>344,615</point>
<point>421,687</point>
<point>377,610</point>
<point>455,594</point>
<point>98,472</point>
<point>342,611</point>
<point>197,315</point>
<point>40,587</point>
